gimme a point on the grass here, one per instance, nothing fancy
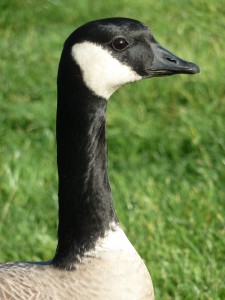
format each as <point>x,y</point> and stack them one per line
<point>166,140</point>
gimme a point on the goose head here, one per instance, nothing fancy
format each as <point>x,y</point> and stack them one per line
<point>112,52</point>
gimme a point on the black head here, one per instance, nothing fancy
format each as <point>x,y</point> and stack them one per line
<point>112,52</point>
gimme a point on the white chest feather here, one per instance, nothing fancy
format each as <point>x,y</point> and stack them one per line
<point>102,73</point>
<point>114,240</point>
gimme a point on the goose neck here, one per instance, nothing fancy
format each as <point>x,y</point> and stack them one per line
<point>85,201</point>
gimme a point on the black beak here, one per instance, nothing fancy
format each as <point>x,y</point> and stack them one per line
<point>165,63</point>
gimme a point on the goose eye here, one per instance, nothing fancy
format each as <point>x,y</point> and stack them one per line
<point>119,44</point>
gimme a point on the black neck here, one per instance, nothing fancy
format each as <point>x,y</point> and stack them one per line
<point>85,201</point>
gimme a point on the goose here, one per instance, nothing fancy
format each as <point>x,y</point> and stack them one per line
<point>94,259</point>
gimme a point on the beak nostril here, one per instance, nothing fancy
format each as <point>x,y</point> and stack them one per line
<point>171,60</point>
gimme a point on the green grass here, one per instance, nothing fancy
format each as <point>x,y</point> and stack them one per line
<point>166,140</point>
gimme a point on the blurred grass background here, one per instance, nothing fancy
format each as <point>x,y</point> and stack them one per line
<point>166,140</point>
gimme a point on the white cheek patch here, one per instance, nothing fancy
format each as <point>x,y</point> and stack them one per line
<point>102,73</point>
